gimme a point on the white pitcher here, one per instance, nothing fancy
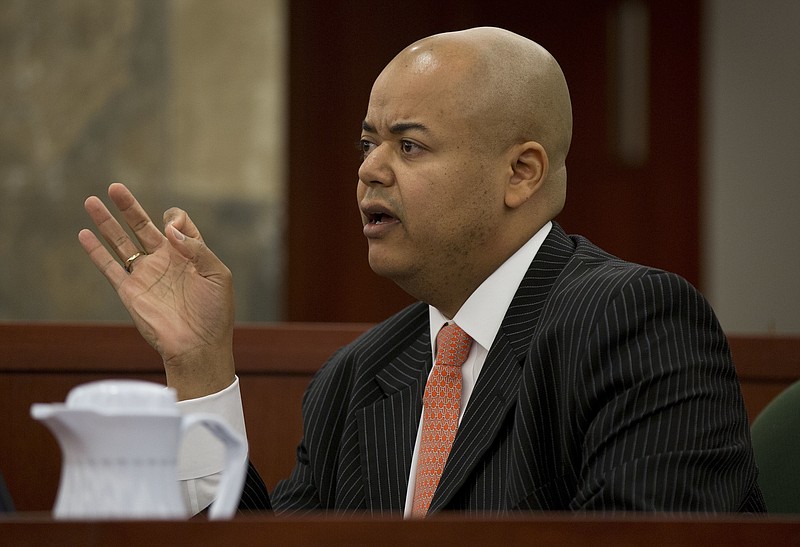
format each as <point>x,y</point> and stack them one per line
<point>119,441</point>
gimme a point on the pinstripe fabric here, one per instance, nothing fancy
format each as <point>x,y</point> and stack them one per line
<point>254,494</point>
<point>609,387</point>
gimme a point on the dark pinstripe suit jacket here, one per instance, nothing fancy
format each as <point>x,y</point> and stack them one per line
<point>609,387</point>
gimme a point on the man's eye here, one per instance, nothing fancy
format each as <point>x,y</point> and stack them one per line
<point>410,147</point>
<point>364,147</point>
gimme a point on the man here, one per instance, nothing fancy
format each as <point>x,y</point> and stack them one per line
<point>589,383</point>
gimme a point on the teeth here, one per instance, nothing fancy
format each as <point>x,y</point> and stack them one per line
<point>379,218</point>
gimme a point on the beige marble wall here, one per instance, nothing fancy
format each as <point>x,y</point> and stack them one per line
<point>183,100</point>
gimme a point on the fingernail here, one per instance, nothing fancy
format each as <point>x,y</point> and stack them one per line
<point>178,235</point>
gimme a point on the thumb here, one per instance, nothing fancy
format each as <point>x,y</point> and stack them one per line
<point>196,251</point>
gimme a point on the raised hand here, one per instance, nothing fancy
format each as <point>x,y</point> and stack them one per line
<point>179,294</point>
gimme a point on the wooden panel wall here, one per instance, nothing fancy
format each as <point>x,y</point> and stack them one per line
<point>41,363</point>
<point>646,213</point>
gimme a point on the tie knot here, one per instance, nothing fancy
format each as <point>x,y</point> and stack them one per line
<point>452,345</point>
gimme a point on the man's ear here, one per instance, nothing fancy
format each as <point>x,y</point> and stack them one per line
<point>529,166</point>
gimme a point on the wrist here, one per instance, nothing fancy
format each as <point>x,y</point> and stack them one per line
<point>200,372</point>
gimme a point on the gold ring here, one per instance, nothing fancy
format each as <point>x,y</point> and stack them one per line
<point>129,262</point>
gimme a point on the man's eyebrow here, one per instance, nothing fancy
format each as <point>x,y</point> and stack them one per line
<point>400,127</point>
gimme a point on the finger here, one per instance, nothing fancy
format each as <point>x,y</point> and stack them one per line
<point>111,230</point>
<point>195,250</point>
<point>101,258</point>
<point>180,219</point>
<point>135,216</point>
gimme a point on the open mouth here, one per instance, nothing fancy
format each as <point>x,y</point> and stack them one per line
<point>380,218</point>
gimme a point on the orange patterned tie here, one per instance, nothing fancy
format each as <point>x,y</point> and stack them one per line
<point>442,402</point>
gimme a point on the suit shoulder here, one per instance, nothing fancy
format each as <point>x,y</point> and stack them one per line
<point>590,263</point>
<point>594,279</point>
<point>380,343</point>
<point>403,325</point>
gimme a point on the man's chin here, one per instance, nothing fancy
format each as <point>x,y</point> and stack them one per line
<point>387,266</point>
<point>381,267</point>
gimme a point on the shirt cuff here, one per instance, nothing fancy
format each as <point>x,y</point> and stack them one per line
<point>201,454</point>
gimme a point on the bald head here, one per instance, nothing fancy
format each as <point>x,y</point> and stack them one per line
<point>510,87</point>
<point>508,79</point>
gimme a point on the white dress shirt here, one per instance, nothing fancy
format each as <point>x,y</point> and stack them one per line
<point>480,317</point>
<point>201,457</point>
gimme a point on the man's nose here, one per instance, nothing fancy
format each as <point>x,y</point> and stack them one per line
<point>376,167</point>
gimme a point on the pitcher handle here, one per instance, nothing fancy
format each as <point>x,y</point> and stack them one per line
<point>230,487</point>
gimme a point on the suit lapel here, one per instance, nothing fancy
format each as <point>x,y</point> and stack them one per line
<point>387,428</point>
<point>497,388</point>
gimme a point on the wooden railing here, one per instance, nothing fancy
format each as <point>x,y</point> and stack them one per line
<point>444,531</point>
<point>42,362</point>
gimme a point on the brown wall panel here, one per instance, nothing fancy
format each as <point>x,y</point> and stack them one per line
<point>41,363</point>
<point>274,422</point>
<point>648,213</point>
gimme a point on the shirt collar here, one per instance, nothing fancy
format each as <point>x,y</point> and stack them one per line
<point>483,312</point>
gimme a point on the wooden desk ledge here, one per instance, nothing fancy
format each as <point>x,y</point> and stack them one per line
<point>444,531</point>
